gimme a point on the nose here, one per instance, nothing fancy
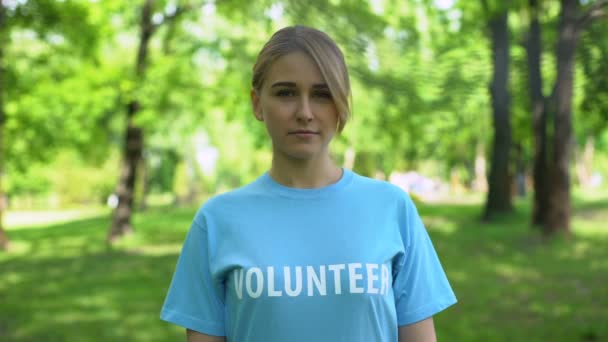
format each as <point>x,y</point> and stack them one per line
<point>304,110</point>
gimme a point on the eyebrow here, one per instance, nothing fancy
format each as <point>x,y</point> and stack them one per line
<point>293,84</point>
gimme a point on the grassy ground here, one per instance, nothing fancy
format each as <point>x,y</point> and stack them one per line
<point>60,282</point>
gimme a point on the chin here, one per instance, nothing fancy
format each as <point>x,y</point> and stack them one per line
<point>301,154</point>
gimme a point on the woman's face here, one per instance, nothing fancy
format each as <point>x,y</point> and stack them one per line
<point>297,107</point>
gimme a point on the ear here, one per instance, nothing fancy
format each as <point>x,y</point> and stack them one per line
<point>256,106</point>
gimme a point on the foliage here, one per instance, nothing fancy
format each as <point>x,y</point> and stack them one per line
<point>420,72</point>
<point>60,182</point>
<point>593,103</point>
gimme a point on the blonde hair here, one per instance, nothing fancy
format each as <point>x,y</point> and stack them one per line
<point>322,49</point>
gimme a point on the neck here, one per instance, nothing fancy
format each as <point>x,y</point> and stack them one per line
<point>305,174</point>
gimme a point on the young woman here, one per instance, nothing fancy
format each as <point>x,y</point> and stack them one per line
<point>309,251</point>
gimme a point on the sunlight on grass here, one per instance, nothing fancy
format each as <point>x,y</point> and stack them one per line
<point>598,226</point>
<point>441,224</point>
<point>592,194</point>
<point>19,247</point>
<point>33,219</point>
<point>136,243</point>
<point>511,272</point>
<point>155,250</point>
<point>10,279</point>
<point>456,275</point>
<point>581,250</point>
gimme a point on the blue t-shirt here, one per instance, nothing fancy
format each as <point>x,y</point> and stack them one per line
<point>351,261</point>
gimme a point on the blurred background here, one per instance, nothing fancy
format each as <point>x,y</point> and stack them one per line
<point>118,119</point>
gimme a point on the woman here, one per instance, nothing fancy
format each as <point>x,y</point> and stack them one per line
<point>308,251</point>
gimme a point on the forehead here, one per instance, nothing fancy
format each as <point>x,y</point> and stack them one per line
<point>295,67</point>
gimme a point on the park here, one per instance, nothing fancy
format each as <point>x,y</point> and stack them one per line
<point>120,119</point>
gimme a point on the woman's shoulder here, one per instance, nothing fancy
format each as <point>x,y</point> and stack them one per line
<point>233,198</point>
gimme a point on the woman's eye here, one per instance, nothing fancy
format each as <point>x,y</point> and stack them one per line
<point>323,95</point>
<point>285,93</point>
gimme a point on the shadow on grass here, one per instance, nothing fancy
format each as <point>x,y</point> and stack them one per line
<point>597,210</point>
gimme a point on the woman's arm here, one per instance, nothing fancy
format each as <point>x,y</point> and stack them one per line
<point>193,336</point>
<point>423,331</point>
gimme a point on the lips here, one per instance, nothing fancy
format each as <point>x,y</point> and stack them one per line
<point>303,131</point>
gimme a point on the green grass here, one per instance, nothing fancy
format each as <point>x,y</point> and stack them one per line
<point>513,285</point>
<point>60,282</point>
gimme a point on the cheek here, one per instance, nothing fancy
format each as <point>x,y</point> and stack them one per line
<point>272,119</point>
<point>277,114</point>
<point>329,112</point>
<point>271,108</point>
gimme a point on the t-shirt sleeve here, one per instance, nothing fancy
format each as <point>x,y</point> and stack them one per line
<point>420,285</point>
<point>193,300</point>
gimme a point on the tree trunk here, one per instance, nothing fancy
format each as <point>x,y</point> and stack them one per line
<point>3,41</point>
<point>558,219</point>
<point>499,194</point>
<point>132,151</point>
<point>541,171</point>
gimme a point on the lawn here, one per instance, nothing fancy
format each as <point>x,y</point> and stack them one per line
<point>61,283</point>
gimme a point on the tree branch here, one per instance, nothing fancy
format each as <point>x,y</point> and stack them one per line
<point>597,10</point>
<point>179,10</point>
<point>486,7</point>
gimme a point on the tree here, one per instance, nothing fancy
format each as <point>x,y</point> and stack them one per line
<point>134,135</point>
<point>541,169</point>
<point>558,215</point>
<point>499,193</point>
<point>552,206</point>
<point>571,23</point>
